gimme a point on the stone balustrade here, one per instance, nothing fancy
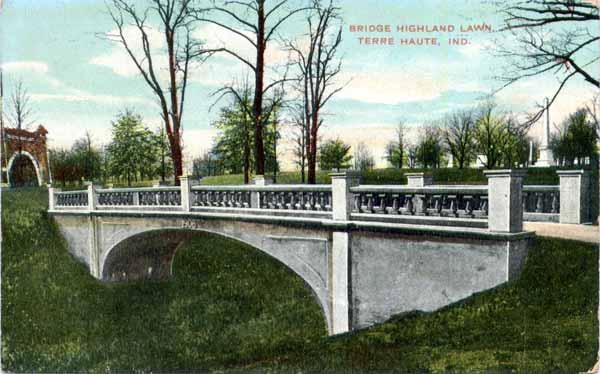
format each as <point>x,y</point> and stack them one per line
<point>541,203</point>
<point>134,197</point>
<point>70,199</point>
<point>279,197</point>
<point>501,205</point>
<point>440,201</point>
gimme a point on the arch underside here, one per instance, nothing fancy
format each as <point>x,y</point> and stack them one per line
<point>149,255</point>
<point>146,256</point>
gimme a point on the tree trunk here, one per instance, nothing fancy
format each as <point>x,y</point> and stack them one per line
<point>177,160</point>
<point>257,108</point>
<point>312,166</point>
<point>302,157</point>
<point>246,153</point>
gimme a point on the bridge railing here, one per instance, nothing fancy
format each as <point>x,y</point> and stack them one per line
<point>541,203</point>
<point>316,198</point>
<point>456,204</point>
<point>138,197</point>
<point>443,201</point>
<point>69,199</point>
<point>501,205</point>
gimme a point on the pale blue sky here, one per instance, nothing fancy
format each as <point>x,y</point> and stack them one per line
<point>79,81</point>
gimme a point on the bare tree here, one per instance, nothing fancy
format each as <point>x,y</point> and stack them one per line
<point>319,65</point>
<point>395,149</point>
<point>363,157</point>
<point>489,134</point>
<point>19,113</point>
<point>257,24</point>
<point>176,24</point>
<point>459,134</point>
<point>593,109</point>
<point>241,91</point>
<point>299,125</point>
<point>559,37</point>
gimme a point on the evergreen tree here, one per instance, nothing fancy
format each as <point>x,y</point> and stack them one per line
<point>334,154</point>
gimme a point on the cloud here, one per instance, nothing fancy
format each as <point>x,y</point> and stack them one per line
<point>392,87</point>
<point>119,61</point>
<point>87,97</point>
<point>32,66</point>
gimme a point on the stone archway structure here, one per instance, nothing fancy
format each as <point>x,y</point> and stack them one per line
<point>32,145</point>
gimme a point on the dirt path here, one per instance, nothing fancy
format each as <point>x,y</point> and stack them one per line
<point>584,233</point>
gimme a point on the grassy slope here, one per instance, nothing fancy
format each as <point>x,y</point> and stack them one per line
<point>227,305</point>
<point>236,307</point>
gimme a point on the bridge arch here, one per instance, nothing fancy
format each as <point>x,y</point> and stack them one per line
<point>12,162</point>
<point>132,259</point>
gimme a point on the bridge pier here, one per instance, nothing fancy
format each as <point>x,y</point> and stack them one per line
<point>341,283</point>
<point>341,252</point>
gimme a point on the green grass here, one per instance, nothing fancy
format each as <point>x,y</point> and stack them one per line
<point>230,306</point>
<point>544,176</point>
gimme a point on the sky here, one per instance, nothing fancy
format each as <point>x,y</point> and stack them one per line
<point>79,81</point>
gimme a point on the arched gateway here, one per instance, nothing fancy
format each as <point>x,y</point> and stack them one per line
<point>25,157</point>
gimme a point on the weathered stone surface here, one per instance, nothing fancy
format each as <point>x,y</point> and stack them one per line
<point>505,200</point>
<point>575,190</point>
<point>393,273</point>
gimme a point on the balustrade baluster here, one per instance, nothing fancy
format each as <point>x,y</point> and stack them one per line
<point>395,204</point>
<point>437,205</point>
<point>539,206</point>
<point>370,203</point>
<point>468,205</point>
<point>555,202</point>
<point>422,205</point>
<point>409,205</point>
<point>382,203</point>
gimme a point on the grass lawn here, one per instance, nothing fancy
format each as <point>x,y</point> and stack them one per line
<point>230,306</point>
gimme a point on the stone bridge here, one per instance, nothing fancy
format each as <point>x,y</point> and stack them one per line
<point>366,252</point>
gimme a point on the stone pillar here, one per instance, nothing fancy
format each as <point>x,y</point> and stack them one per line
<point>341,283</point>
<point>342,200</point>
<point>51,191</point>
<point>258,180</point>
<point>92,198</point>
<point>574,196</point>
<point>419,179</point>
<point>546,156</point>
<point>505,200</point>
<point>186,192</point>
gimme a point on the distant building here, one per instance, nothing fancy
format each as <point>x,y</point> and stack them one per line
<point>25,157</point>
